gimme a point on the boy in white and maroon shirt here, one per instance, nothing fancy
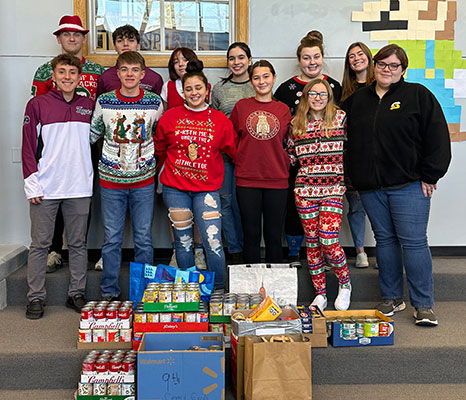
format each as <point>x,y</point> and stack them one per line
<point>127,38</point>
<point>71,36</point>
<point>57,171</point>
<point>126,118</point>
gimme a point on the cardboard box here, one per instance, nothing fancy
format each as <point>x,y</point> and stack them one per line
<point>337,341</point>
<point>167,369</point>
<point>277,327</point>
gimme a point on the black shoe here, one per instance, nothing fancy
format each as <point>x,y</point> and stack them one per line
<point>425,317</point>
<point>237,258</point>
<point>76,302</point>
<point>390,306</point>
<point>111,298</point>
<point>295,261</point>
<point>35,309</point>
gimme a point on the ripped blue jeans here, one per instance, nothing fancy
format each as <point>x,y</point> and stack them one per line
<point>205,208</point>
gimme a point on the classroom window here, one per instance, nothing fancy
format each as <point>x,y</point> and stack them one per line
<point>206,26</point>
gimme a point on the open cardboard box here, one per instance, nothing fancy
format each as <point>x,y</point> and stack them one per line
<point>337,341</point>
<point>168,369</point>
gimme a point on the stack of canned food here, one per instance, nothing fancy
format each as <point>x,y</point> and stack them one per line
<point>108,374</point>
<point>141,316</point>
<point>169,292</point>
<point>358,326</point>
<point>226,304</point>
<point>100,321</point>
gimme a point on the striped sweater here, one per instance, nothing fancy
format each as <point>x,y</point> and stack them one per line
<point>320,174</point>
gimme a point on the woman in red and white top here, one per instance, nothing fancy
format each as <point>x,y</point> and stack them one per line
<point>262,165</point>
<point>189,141</point>
<point>317,143</point>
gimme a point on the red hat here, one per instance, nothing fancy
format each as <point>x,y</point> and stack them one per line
<point>70,23</point>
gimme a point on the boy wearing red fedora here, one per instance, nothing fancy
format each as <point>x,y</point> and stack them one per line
<point>70,36</point>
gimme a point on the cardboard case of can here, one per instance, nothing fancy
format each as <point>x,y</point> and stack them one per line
<point>168,369</point>
<point>337,341</point>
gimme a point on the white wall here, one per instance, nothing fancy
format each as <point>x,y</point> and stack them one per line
<point>276,26</point>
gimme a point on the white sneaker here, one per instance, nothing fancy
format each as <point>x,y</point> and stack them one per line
<point>99,265</point>
<point>199,259</point>
<point>320,301</point>
<point>361,260</point>
<point>173,262</point>
<point>343,300</point>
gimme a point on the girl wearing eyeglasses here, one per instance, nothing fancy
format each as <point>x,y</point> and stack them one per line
<point>398,148</point>
<point>310,55</point>
<point>317,143</point>
<point>358,73</point>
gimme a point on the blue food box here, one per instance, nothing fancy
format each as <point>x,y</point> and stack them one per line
<point>338,340</point>
<point>168,369</point>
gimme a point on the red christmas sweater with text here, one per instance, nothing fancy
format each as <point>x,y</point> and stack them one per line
<point>262,127</point>
<point>190,143</point>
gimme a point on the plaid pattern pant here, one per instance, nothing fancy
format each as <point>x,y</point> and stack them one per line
<point>321,220</point>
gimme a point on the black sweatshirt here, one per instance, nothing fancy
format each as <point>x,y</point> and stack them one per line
<point>398,139</point>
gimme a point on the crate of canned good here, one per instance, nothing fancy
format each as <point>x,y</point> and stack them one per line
<point>169,296</point>
<point>109,374</point>
<point>106,315</point>
<point>359,328</point>
<point>106,325</point>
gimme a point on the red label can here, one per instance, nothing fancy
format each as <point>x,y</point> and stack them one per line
<point>113,335</point>
<point>111,314</point>
<point>88,366</point>
<point>101,366</point>
<point>127,366</point>
<point>99,313</point>
<point>123,313</point>
<point>384,328</point>
<point>85,335</point>
<point>87,313</point>
<point>114,365</point>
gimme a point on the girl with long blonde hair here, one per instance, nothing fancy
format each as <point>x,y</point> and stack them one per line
<point>317,143</point>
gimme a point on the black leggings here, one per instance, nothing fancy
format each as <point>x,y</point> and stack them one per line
<point>253,204</point>
<point>293,225</point>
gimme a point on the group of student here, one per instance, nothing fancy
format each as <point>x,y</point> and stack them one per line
<point>248,164</point>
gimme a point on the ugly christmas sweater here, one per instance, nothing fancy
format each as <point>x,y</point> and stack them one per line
<point>42,82</point>
<point>320,156</point>
<point>190,142</point>
<point>128,125</point>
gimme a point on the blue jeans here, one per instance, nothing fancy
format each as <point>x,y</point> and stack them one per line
<point>399,220</point>
<point>114,204</point>
<point>356,217</point>
<point>231,219</point>
<point>205,207</point>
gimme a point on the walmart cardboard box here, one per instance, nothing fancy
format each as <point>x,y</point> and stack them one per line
<point>168,370</point>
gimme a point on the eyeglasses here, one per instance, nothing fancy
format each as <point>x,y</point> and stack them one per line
<point>392,66</point>
<point>322,95</point>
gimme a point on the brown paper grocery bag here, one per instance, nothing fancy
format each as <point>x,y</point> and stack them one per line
<point>277,370</point>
